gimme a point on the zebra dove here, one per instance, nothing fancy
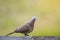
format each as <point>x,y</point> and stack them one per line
<point>26,28</point>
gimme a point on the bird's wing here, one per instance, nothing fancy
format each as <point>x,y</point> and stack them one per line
<point>22,29</point>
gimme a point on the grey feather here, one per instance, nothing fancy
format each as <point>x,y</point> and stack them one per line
<point>26,28</point>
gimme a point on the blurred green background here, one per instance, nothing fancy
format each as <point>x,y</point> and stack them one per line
<point>14,13</point>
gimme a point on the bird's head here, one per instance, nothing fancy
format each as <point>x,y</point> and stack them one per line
<point>34,18</point>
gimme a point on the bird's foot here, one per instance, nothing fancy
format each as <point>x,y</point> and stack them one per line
<point>26,35</point>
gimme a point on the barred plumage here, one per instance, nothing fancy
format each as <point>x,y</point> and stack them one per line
<point>26,28</point>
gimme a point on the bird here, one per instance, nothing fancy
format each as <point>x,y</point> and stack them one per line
<point>25,28</point>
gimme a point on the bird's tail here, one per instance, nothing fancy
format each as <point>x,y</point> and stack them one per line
<point>10,33</point>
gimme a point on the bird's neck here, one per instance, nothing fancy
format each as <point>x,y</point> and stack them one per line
<point>32,22</point>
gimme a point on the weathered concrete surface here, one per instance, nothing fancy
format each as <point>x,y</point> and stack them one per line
<point>15,38</point>
<point>30,38</point>
<point>47,38</point>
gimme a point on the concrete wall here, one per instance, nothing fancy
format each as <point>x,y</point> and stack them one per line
<point>30,38</point>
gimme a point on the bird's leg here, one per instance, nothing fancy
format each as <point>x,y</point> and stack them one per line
<point>26,34</point>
